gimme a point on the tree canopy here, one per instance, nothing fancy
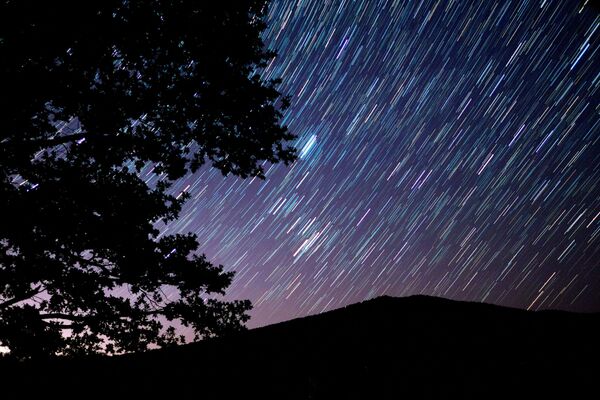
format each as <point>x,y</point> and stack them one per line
<point>94,92</point>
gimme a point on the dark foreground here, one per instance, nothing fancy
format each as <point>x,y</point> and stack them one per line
<point>386,348</point>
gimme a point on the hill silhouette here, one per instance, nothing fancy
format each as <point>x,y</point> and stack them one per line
<point>384,348</point>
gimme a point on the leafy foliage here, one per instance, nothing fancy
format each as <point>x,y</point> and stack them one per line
<point>93,93</point>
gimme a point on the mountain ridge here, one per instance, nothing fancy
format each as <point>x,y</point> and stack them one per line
<point>385,347</point>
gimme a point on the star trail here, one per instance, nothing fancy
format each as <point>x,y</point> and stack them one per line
<point>445,148</point>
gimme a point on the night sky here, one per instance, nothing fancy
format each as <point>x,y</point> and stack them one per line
<point>446,148</point>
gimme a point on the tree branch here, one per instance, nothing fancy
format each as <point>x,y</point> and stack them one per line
<point>97,264</point>
<point>42,143</point>
<point>34,145</point>
<point>64,316</point>
<point>27,295</point>
<point>72,325</point>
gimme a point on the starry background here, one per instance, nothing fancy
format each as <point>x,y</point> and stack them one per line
<point>446,148</point>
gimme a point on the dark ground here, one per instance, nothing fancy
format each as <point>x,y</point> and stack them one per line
<point>385,348</point>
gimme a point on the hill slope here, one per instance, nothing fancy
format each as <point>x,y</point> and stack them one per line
<point>414,347</point>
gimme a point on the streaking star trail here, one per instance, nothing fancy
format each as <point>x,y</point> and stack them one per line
<point>446,148</point>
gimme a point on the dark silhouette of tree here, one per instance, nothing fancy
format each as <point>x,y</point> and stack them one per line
<point>93,93</point>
